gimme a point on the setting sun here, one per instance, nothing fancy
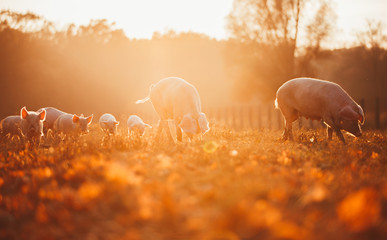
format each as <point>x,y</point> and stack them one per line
<point>141,18</point>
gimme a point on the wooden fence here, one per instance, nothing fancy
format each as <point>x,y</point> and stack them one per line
<point>265,116</point>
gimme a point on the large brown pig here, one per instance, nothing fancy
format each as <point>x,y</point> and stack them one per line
<point>319,99</point>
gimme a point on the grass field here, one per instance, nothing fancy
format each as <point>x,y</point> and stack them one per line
<point>229,185</point>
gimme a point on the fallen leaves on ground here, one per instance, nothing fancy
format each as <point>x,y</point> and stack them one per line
<point>230,185</point>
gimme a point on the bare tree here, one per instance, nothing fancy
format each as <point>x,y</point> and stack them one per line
<point>372,39</point>
<point>274,26</point>
<point>27,22</point>
<point>268,22</point>
<point>317,31</point>
<point>320,28</point>
<point>373,36</point>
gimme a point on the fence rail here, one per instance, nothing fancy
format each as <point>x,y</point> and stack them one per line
<point>265,116</point>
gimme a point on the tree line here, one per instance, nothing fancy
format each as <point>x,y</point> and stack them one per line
<point>95,68</point>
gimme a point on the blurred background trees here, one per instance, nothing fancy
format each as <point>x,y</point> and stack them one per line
<point>95,68</point>
<point>271,29</point>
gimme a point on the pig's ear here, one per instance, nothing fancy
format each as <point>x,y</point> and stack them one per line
<point>347,113</point>
<point>24,113</point>
<point>75,118</point>
<point>42,115</point>
<point>203,123</point>
<point>187,124</point>
<point>361,116</point>
<point>116,123</point>
<point>147,125</point>
<point>89,119</point>
<point>361,119</point>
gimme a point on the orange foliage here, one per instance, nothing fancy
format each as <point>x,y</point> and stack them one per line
<point>231,185</point>
<point>360,210</point>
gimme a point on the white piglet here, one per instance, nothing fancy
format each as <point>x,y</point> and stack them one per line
<point>176,99</point>
<point>108,123</point>
<point>137,125</point>
<point>28,124</point>
<point>72,124</point>
<point>319,99</point>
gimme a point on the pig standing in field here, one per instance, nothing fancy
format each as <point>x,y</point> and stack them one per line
<point>51,115</point>
<point>108,123</point>
<point>175,98</point>
<point>137,125</point>
<point>29,125</point>
<point>318,99</point>
<point>72,124</point>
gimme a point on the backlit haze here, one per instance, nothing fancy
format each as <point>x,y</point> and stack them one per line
<point>141,18</point>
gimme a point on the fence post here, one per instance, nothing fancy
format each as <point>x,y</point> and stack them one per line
<point>219,115</point>
<point>232,113</point>
<point>269,123</point>
<point>226,117</point>
<point>241,117</point>
<point>259,116</point>
<point>362,104</point>
<point>377,113</point>
<point>250,110</point>
<point>279,117</point>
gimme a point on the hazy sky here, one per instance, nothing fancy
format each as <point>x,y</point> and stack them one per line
<point>140,18</point>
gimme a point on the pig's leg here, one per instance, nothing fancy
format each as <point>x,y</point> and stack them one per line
<point>288,133</point>
<point>160,129</point>
<point>285,134</point>
<point>329,133</point>
<point>290,116</point>
<point>332,126</point>
<point>168,132</point>
<point>339,135</point>
<point>163,124</point>
<point>289,127</point>
<point>178,132</point>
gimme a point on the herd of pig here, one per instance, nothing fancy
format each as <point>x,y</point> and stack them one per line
<point>175,99</point>
<point>34,125</point>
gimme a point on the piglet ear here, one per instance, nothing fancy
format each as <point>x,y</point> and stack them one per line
<point>75,118</point>
<point>147,125</point>
<point>42,115</point>
<point>348,113</point>
<point>24,113</point>
<point>89,119</point>
<point>116,123</point>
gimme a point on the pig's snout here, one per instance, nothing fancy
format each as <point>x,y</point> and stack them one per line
<point>32,131</point>
<point>190,135</point>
